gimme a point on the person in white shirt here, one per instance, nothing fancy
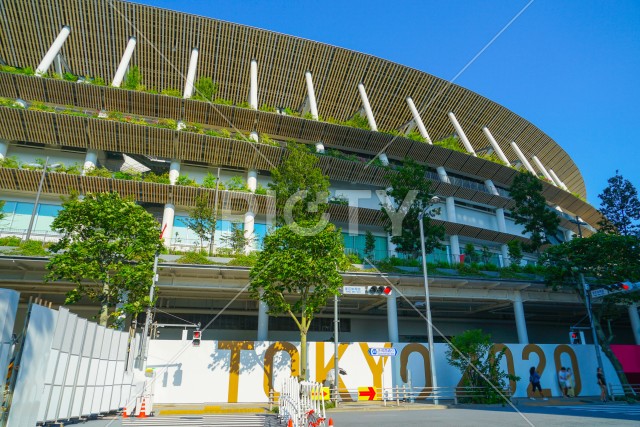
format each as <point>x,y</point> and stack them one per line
<point>562,380</point>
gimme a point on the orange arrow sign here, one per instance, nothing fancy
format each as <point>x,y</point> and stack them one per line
<point>366,393</point>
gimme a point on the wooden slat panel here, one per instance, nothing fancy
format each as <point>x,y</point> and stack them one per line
<point>7,86</point>
<point>12,128</point>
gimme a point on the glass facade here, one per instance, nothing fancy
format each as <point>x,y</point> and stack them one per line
<point>18,215</point>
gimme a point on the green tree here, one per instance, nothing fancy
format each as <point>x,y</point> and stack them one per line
<point>236,239</point>
<point>202,220</point>
<point>531,210</point>
<point>297,273</point>
<point>471,254</point>
<point>369,245</point>
<point>107,250</point>
<point>602,259</point>
<point>299,176</point>
<point>205,89</point>
<point>515,253</point>
<point>620,207</point>
<point>473,353</point>
<point>133,79</point>
<point>409,195</point>
<point>2,212</point>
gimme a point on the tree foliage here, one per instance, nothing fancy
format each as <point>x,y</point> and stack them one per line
<point>620,207</point>
<point>369,245</point>
<point>107,250</point>
<point>299,175</point>
<point>295,274</point>
<point>472,352</point>
<point>205,89</point>
<point>236,239</point>
<point>409,180</point>
<point>2,212</point>
<point>202,220</point>
<point>540,222</point>
<point>602,259</point>
<point>133,79</point>
<point>515,253</point>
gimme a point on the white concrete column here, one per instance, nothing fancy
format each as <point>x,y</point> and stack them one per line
<point>418,120</point>
<point>263,320</point>
<point>522,158</point>
<point>454,242</point>
<point>568,235</point>
<point>4,147</point>
<point>451,209</point>
<point>249,226</point>
<point>521,324</point>
<point>557,180</point>
<point>391,247</point>
<point>502,223</point>
<point>491,187</point>
<point>442,173</point>
<point>319,147</point>
<point>191,74</point>
<point>543,169</point>
<point>383,159</point>
<point>311,94</point>
<point>367,107</point>
<point>124,63</point>
<point>58,64</point>
<point>505,255</point>
<point>635,322</point>
<point>392,317</point>
<point>461,134</point>
<point>252,180</point>
<point>44,65</point>
<point>168,217</point>
<point>174,171</point>
<point>90,160</point>
<point>253,85</point>
<point>253,136</point>
<point>495,146</point>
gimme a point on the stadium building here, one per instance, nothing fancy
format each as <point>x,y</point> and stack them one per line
<point>75,118</point>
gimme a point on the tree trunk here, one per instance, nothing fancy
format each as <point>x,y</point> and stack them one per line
<point>104,311</point>
<point>303,354</point>
<point>604,345</point>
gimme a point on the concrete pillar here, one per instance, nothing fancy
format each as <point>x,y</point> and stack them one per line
<point>191,74</point>
<point>4,147</point>
<point>568,235</point>
<point>253,85</point>
<point>461,134</point>
<point>311,94</point>
<point>442,173</point>
<point>505,255</point>
<point>635,322</point>
<point>454,242</point>
<point>522,158</point>
<point>491,187</point>
<point>263,320</point>
<point>168,217</point>
<point>252,180</point>
<point>418,120</point>
<point>391,247</point>
<point>44,65</point>
<point>367,107</point>
<point>451,209</point>
<point>495,146</point>
<point>58,64</point>
<point>319,147</point>
<point>543,169</point>
<point>124,63</point>
<point>392,317</point>
<point>383,159</point>
<point>557,180</point>
<point>249,226</point>
<point>521,324</point>
<point>90,160</point>
<point>502,223</point>
<point>253,136</point>
<point>174,171</point>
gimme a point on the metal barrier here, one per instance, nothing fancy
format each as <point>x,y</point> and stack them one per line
<point>623,390</point>
<point>301,403</point>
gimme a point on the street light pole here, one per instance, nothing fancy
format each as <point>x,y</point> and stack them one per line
<point>587,301</point>
<point>432,360</point>
<point>35,205</point>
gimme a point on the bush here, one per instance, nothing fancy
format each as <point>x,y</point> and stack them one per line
<point>193,257</point>
<point>158,179</point>
<point>185,180</point>
<point>237,183</point>
<point>451,143</point>
<point>129,176</point>
<point>10,162</point>
<point>268,108</point>
<point>205,89</point>
<point>415,136</point>
<point>41,106</point>
<point>133,79</point>
<point>354,258</point>
<point>210,181</point>
<point>170,91</point>
<point>261,190</point>
<point>222,101</point>
<point>358,121</point>
<point>70,77</point>
<point>30,248</point>
<point>99,172</point>
<point>10,241</point>
<point>167,124</point>
<point>244,260</point>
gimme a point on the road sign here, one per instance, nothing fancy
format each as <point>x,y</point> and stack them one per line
<point>353,290</point>
<point>383,351</point>
<point>366,393</point>
<point>325,394</point>
<point>597,293</point>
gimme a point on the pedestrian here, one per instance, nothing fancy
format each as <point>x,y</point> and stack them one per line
<point>534,379</point>
<point>562,381</point>
<point>570,383</point>
<point>603,385</point>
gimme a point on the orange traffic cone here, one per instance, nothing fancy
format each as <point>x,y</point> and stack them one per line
<point>290,423</point>
<point>143,408</point>
<point>125,412</point>
<point>330,422</point>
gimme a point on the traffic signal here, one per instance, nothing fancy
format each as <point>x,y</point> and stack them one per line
<point>379,290</point>
<point>196,338</point>
<point>576,337</point>
<point>619,287</point>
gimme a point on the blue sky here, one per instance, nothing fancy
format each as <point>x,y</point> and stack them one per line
<point>570,67</point>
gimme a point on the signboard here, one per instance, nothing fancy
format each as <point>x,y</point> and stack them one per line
<point>353,290</point>
<point>383,351</point>
<point>366,393</point>
<point>325,394</point>
<point>597,293</point>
